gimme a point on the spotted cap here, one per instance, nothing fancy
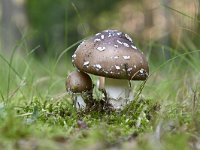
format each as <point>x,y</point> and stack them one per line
<point>78,82</point>
<point>111,54</point>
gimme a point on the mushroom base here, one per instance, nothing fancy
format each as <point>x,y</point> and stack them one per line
<point>118,92</point>
<point>78,101</point>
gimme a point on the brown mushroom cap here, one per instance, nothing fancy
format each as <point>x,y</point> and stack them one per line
<point>111,54</point>
<point>78,82</point>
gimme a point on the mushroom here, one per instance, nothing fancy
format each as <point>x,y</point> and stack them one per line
<point>113,55</point>
<point>79,84</point>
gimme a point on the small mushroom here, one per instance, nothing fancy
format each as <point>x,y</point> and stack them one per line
<point>113,55</point>
<point>79,84</point>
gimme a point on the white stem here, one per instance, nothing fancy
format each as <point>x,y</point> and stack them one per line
<point>101,83</point>
<point>79,102</point>
<point>118,91</point>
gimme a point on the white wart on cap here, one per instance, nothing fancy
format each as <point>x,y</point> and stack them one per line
<point>111,54</point>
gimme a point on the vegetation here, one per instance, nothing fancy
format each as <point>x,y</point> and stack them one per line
<point>37,113</point>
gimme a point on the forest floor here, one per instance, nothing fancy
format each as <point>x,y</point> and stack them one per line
<point>37,113</point>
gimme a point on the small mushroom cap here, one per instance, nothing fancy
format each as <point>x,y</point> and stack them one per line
<point>111,54</point>
<point>78,82</point>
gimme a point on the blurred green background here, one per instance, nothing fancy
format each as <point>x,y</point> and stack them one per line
<point>51,26</point>
<point>37,39</point>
